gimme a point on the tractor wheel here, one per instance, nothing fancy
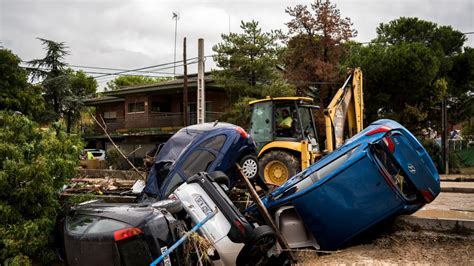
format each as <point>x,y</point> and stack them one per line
<point>277,166</point>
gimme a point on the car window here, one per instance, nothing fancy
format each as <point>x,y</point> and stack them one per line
<point>106,225</point>
<point>391,169</point>
<point>197,162</point>
<point>214,142</point>
<point>175,181</point>
<point>79,223</point>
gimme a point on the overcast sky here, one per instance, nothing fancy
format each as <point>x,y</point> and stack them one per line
<point>138,33</point>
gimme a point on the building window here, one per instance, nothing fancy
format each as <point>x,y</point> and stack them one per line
<point>160,106</point>
<point>110,116</point>
<point>136,107</point>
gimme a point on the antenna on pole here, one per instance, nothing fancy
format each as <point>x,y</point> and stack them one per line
<point>176,18</point>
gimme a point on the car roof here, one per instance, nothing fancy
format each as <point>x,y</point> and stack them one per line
<point>209,126</point>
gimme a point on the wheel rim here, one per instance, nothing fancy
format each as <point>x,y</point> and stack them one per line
<point>276,172</point>
<point>250,168</point>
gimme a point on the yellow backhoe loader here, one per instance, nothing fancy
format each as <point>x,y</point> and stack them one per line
<point>285,133</point>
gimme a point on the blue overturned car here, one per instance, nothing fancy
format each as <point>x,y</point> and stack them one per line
<point>205,147</point>
<point>381,172</point>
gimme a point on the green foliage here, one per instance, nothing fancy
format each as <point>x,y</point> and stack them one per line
<point>78,198</point>
<point>434,150</point>
<point>34,166</point>
<point>116,160</point>
<point>16,93</point>
<point>413,30</point>
<point>249,63</point>
<point>410,67</point>
<point>126,81</point>
<point>249,68</point>
<point>64,89</point>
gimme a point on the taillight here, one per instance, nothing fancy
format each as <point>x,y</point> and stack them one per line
<point>126,233</point>
<point>427,195</point>
<point>389,143</point>
<point>240,226</point>
<point>381,129</point>
<point>242,132</point>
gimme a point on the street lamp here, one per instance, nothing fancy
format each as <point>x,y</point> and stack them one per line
<point>176,18</point>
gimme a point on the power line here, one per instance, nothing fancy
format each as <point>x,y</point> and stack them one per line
<point>118,69</point>
<point>128,71</point>
<point>141,68</point>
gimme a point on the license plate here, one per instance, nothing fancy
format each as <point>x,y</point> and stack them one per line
<point>166,260</point>
<point>202,204</point>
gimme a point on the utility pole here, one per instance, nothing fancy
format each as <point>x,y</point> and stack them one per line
<point>185,85</point>
<point>444,135</point>
<point>201,95</point>
<point>176,18</point>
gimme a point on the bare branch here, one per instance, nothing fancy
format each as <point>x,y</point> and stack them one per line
<point>104,128</point>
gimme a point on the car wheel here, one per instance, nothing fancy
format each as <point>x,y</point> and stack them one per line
<point>255,250</point>
<point>172,206</point>
<point>249,164</point>
<point>277,166</point>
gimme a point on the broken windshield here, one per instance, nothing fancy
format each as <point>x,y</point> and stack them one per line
<point>175,145</point>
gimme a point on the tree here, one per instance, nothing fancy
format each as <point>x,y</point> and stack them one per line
<point>248,63</point>
<point>126,81</point>
<point>34,166</point>
<point>16,93</point>
<point>408,68</point>
<point>64,89</point>
<point>316,42</point>
<point>81,87</point>
<point>52,70</point>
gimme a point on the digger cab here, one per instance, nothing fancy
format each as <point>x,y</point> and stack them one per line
<point>283,119</point>
<point>283,125</point>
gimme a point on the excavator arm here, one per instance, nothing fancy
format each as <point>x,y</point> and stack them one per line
<point>347,105</point>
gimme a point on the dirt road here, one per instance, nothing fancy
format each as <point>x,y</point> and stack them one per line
<point>401,247</point>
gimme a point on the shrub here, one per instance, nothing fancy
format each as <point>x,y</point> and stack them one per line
<point>34,164</point>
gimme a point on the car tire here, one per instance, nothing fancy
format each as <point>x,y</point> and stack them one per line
<point>172,206</point>
<point>277,166</point>
<point>255,250</point>
<point>249,165</point>
<point>219,177</point>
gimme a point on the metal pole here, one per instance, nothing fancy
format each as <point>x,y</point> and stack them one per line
<point>446,137</point>
<point>201,94</point>
<point>185,86</point>
<point>175,17</point>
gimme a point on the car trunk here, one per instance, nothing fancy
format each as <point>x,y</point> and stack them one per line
<point>416,163</point>
<point>116,234</point>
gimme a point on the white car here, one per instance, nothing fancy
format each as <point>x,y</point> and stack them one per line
<point>97,153</point>
<point>236,241</point>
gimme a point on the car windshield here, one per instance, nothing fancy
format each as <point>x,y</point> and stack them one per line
<point>175,145</point>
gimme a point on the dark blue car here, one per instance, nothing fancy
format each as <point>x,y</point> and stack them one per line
<point>205,147</point>
<point>381,172</point>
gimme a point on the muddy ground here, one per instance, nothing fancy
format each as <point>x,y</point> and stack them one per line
<point>400,247</point>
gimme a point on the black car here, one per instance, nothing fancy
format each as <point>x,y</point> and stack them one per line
<point>116,234</point>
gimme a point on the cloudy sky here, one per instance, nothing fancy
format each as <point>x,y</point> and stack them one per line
<point>138,33</point>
